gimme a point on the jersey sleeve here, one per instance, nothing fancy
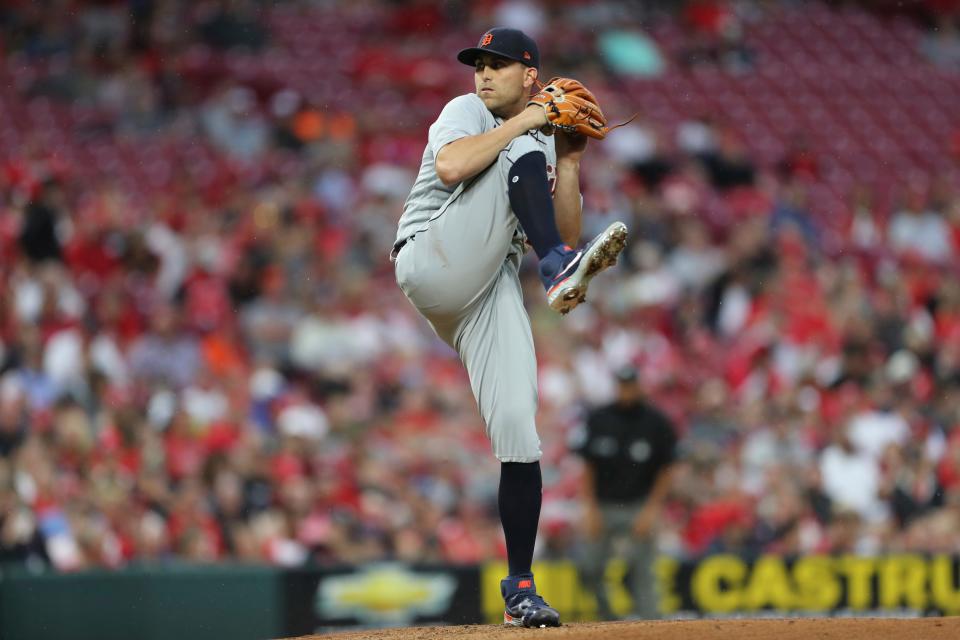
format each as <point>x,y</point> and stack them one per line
<point>522,145</point>
<point>463,116</point>
<point>530,142</point>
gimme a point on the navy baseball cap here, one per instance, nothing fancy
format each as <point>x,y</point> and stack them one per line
<point>507,43</point>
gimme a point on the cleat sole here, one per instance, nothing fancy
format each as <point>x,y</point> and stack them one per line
<point>604,257</point>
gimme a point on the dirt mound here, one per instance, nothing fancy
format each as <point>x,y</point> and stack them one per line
<point>785,629</point>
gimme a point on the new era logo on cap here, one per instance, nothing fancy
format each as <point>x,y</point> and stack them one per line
<point>526,55</point>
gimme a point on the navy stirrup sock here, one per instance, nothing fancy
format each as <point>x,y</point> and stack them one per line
<point>532,202</point>
<point>521,491</point>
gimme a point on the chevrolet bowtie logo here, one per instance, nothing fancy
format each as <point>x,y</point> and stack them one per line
<point>385,593</point>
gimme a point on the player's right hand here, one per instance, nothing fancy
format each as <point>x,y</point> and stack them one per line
<point>536,117</point>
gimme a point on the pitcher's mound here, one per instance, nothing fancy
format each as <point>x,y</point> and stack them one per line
<point>788,629</point>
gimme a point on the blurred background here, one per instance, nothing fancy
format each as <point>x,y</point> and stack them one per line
<point>205,362</point>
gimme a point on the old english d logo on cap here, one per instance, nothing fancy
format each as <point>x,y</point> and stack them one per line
<point>511,44</point>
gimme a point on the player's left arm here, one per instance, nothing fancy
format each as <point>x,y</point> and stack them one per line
<point>567,202</point>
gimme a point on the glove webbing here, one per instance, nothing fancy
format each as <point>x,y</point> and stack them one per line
<point>540,87</point>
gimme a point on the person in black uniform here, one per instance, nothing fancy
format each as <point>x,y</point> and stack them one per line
<point>628,448</point>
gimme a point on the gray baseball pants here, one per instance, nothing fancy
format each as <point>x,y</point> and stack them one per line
<point>461,274</point>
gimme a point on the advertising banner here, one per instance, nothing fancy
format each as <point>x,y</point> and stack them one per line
<point>380,595</point>
<point>730,585</point>
<point>895,584</point>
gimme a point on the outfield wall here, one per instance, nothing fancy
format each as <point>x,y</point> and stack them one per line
<point>255,603</point>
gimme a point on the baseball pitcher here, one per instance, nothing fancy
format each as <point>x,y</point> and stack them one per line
<point>501,168</point>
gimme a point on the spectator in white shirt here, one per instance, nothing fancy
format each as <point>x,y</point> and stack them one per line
<point>919,229</point>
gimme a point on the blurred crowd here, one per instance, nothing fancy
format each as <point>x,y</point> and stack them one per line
<point>204,355</point>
